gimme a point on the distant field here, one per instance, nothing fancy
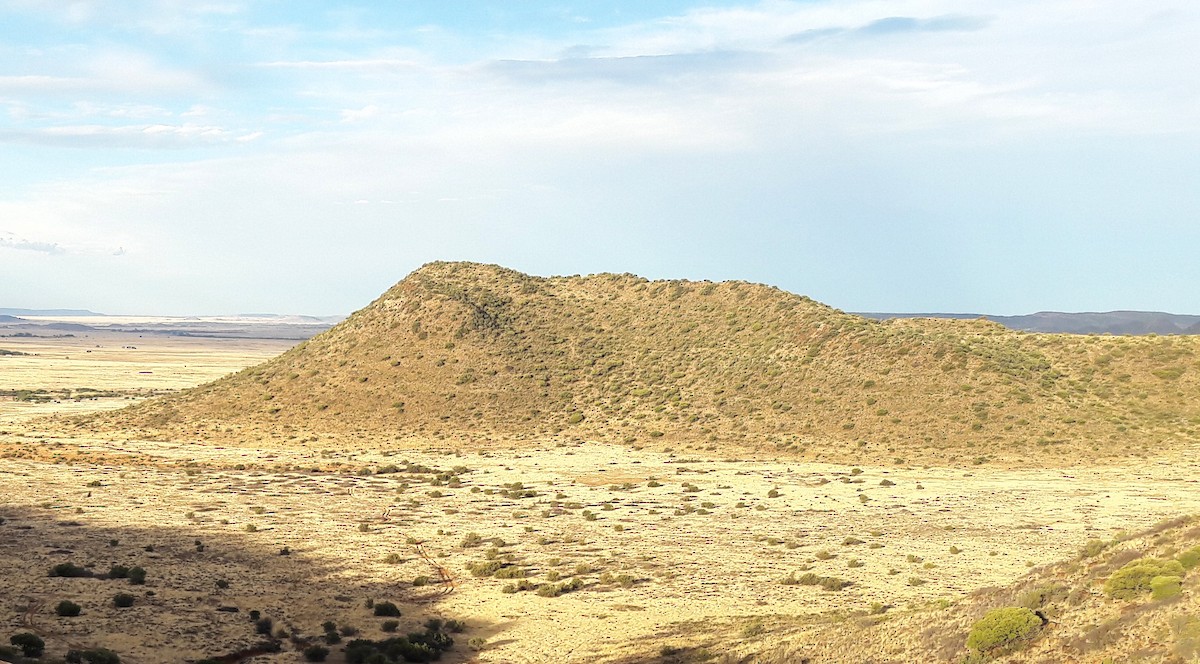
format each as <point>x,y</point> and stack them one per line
<point>105,370</point>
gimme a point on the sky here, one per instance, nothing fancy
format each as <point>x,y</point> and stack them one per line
<point>1000,156</point>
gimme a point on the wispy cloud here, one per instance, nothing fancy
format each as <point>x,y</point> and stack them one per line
<point>137,136</point>
<point>641,69</point>
<point>894,25</point>
<point>12,241</point>
<point>385,64</point>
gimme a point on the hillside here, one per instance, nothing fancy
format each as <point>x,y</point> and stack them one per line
<point>1096,607</point>
<point>468,353</point>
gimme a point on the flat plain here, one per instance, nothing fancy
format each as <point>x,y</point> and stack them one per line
<point>677,557</point>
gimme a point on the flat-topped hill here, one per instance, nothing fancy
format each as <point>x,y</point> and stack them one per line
<point>469,353</point>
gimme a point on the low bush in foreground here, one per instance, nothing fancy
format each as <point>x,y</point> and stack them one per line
<point>1002,630</point>
<point>31,645</point>
<point>424,646</point>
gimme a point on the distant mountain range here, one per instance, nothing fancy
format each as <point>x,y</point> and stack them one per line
<point>56,322</point>
<point>1058,322</point>
<point>1109,322</point>
<point>46,312</point>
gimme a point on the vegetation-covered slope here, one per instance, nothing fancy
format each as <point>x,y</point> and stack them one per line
<point>473,353</point>
<point>1103,606</point>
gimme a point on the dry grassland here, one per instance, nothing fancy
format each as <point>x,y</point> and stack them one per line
<point>559,552</point>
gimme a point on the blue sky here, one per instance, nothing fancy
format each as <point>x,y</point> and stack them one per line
<point>905,155</point>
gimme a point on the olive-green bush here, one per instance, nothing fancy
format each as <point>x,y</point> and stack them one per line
<point>1133,580</point>
<point>1003,629</point>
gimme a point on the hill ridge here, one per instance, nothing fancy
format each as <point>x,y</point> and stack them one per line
<point>466,353</point>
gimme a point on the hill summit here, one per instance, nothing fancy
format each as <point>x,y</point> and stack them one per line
<point>470,354</point>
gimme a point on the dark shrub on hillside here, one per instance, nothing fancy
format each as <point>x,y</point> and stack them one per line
<point>417,647</point>
<point>123,600</point>
<point>387,610</point>
<point>137,576</point>
<point>31,645</point>
<point>99,656</point>
<point>70,570</point>
<point>316,653</point>
<point>67,609</point>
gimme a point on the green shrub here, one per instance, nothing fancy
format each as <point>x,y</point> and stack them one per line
<point>1093,548</point>
<point>67,609</point>
<point>1165,587</point>
<point>1190,558</point>
<point>510,573</point>
<point>122,600</point>
<point>1042,595</point>
<point>137,576</point>
<point>1134,578</point>
<point>482,568</point>
<point>1003,629</point>
<point>31,645</point>
<point>390,625</point>
<point>387,610</point>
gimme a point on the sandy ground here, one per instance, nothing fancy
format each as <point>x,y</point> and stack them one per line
<point>662,545</point>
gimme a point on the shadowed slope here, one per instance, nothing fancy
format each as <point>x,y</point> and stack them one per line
<point>462,351</point>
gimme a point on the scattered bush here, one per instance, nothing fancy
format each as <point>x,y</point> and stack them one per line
<point>556,589</point>
<point>69,570</point>
<point>263,626</point>
<point>390,625</point>
<point>67,609</point>
<point>512,572</point>
<point>387,610</point>
<point>416,647</point>
<point>1003,629</point>
<point>137,576</point>
<point>122,600</point>
<point>483,568</point>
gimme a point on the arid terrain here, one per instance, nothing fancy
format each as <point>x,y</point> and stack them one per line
<point>752,527</point>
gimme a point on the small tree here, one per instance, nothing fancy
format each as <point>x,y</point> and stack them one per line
<point>31,645</point>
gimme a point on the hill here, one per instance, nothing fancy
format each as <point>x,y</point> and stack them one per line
<point>461,353</point>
